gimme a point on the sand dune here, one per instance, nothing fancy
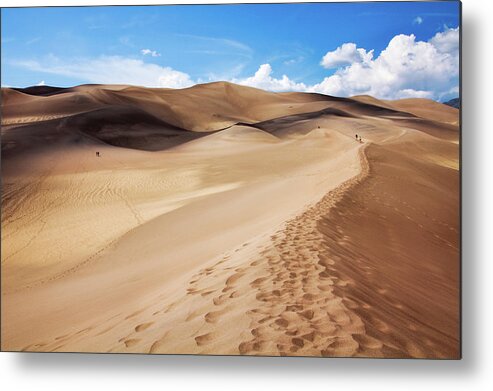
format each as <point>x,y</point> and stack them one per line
<point>428,109</point>
<point>222,219</point>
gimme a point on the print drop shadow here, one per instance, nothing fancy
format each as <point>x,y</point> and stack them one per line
<point>227,366</point>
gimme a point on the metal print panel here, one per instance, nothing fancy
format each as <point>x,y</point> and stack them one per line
<point>270,179</point>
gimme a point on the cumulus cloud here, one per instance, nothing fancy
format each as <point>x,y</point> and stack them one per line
<point>346,54</point>
<point>410,93</point>
<point>149,52</point>
<point>446,41</point>
<point>406,68</point>
<point>112,70</point>
<point>418,20</point>
<point>41,83</point>
<point>263,79</point>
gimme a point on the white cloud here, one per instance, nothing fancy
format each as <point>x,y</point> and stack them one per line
<point>292,61</point>
<point>405,68</point>
<point>231,73</point>
<point>410,93</point>
<point>263,79</point>
<point>218,44</point>
<point>41,83</point>
<point>112,70</point>
<point>346,54</point>
<point>149,52</point>
<point>418,20</point>
<point>447,41</point>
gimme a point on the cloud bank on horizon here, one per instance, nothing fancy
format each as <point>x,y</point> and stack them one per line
<point>401,67</point>
<point>407,68</point>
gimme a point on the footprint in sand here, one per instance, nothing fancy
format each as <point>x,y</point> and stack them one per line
<point>131,342</point>
<point>143,326</point>
<point>221,299</point>
<point>204,339</point>
<point>235,277</point>
<point>214,316</point>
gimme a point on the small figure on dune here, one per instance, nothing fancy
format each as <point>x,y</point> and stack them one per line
<point>360,140</point>
<point>356,137</point>
<point>97,154</point>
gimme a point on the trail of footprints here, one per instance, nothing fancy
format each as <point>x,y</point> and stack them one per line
<point>296,311</point>
<point>299,312</point>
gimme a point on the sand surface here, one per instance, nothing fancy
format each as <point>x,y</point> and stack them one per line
<point>222,219</point>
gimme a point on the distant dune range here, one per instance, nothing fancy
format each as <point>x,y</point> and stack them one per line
<point>223,219</point>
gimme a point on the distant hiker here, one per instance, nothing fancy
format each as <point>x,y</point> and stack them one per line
<point>360,140</point>
<point>318,127</point>
<point>97,154</point>
<point>356,137</point>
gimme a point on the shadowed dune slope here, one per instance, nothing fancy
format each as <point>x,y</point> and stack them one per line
<point>400,261</point>
<point>42,90</point>
<point>205,107</point>
<point>127,127</point>
<point>157,119</point>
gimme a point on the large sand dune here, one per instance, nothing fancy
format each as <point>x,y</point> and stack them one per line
<point>223,219</point>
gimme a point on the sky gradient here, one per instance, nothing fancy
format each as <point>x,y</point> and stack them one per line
<point>389,50</point>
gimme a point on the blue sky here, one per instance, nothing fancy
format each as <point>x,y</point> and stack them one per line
<point>274,46</point>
